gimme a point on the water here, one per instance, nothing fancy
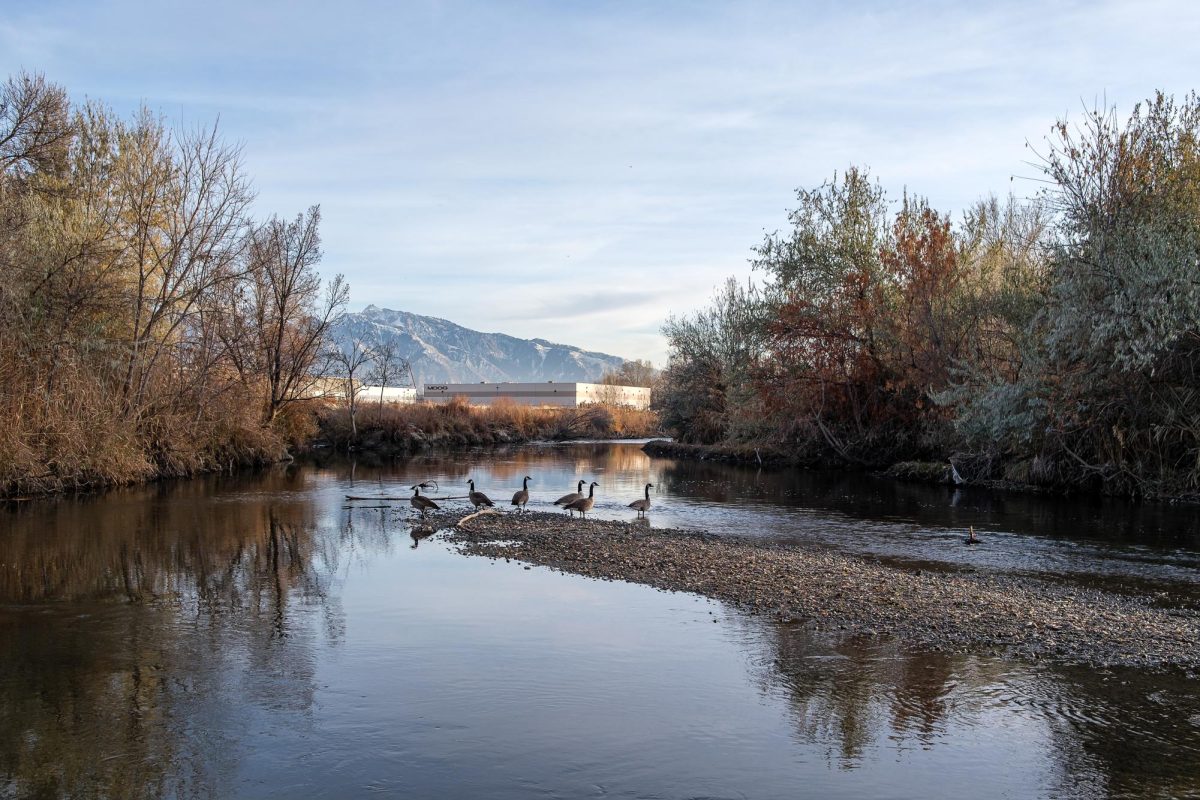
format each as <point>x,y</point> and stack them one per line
<point>259,636</point>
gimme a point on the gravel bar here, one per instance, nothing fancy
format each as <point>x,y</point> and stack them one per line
<point>1019,615</point>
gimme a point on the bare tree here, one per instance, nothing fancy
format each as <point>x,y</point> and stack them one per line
<point>185,200</point>
<point>35,129</point>
<point>277,321</point>
<point>632,373</point>
<point>388,365</point>
<point>350,362</point>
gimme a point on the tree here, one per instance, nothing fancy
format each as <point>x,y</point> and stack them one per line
<point>830,295</point>
<point>995,395</point>
<point>1122,321</point>
<point>183,204</point>
<point>631,373</point>
<point>35,127</point>
<point>928,328</point>
<point>276,320</point>
<point>350,362</point>
<point>387,365</point>
<point>705,392</point>
<point>147,326</point>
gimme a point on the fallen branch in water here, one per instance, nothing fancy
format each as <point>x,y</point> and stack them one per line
<point>470,517</point>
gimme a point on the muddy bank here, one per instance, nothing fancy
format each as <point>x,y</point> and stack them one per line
<point>954,611</point>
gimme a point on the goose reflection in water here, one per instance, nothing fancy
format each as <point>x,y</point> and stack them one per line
<point>418,533</point>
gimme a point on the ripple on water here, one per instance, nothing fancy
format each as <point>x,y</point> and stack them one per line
<point>250,637</point>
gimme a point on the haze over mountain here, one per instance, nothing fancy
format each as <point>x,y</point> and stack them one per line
<point>442,352</point>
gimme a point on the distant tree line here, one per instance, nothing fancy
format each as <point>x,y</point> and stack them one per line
<point>148,325</point>
<point>1052,340</point>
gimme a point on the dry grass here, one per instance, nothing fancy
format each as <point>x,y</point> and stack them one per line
<point>457,423</point>
<point>79,438</point>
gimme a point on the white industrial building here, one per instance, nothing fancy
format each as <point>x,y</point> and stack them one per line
<point>567,395</point>
<point>335,389</point>
<point>391,394</point>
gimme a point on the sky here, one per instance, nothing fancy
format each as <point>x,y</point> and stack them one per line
<point>578,171</point>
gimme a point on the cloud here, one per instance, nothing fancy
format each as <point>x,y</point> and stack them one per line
<point>581,300</point>
<point>483,162</point>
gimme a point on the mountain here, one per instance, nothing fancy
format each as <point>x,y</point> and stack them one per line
<point>442,352</point>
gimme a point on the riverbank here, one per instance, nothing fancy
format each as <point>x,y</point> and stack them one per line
<point>1028,617</point>
<point>393,431</point>
<point>397,430</point>
<point>730,454</point>
<point>972,471</point>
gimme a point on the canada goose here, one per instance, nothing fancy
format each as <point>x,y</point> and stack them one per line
<point>478,498</point>
<point>584,504</point>
<point>642,506</point>
<point>422,504</point>
<point>522,497</point>
<point>972,539</point>
<point>566,499</point>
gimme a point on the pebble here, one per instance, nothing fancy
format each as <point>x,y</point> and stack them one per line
<point>1022,615</point>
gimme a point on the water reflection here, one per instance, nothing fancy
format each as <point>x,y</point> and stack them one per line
<point>1123,546</point>
<point>260,636</point>
<point>123,617</point>
<point>1106,733</point>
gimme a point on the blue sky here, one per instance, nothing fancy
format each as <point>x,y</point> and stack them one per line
<point>578,171</point>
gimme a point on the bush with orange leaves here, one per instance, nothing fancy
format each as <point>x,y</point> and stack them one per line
<point>849,349</point>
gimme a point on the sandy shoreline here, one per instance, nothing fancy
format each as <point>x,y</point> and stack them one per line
<point>1018,615</point>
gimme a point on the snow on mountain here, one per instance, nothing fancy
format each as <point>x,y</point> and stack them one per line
<point>443,352</point>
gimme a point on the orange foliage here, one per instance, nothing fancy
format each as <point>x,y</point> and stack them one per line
<point>854,362</point>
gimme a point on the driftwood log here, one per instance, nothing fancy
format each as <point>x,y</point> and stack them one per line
<point>469,517</point>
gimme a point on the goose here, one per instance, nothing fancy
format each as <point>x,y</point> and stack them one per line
<point>422,504</point>
<point>643,505</point>
<point>972,539</point>
<point>584,504</point>
<point>522,497</point>
<point>478,498</point>
<point>571,498</point>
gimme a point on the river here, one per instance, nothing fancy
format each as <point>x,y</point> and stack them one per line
<point>258,635</point>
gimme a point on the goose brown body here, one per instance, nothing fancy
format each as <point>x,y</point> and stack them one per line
<point>422,504</point>
<point>643,505</point>
<point>522,497</point>
<point>567,499</point>
<point>478,498</point>
<point>584,504</point>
